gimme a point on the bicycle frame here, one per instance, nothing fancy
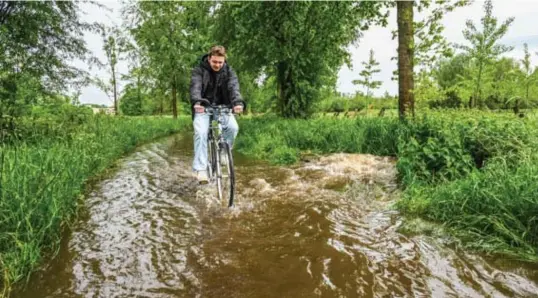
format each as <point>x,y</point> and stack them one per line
<point>215,126</point>
<point>217,143</point>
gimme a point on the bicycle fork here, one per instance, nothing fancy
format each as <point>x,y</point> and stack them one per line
<point>217,159</point>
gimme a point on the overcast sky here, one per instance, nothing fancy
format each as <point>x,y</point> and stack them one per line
<point>523,29</point>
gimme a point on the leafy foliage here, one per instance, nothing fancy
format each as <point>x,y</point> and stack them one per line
<point>431,45</point>
<point>484,46</point>
<point>301,44</point>
<point>38,39</point>
<point>132,101</point>
<point>42,52</point>
<point>173,35</point>
<point>114,44</point>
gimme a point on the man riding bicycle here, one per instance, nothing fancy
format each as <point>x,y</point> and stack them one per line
<point>213,82</point>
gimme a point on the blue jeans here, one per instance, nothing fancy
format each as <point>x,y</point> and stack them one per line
<point>201,129</point>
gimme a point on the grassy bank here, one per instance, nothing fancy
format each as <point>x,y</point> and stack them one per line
<point>474,172</point>
<point>43,176</point>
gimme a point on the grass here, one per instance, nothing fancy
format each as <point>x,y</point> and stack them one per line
<point>494,210</point>
<point>282,141</point>
<point>474,172</point>
<point>42,179</point>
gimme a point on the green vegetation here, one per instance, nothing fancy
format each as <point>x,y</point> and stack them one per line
<point>281,141</point>
<point>42,176</point>
<point>476,175</point>
<point>300,68</point>
<point>473,171</point>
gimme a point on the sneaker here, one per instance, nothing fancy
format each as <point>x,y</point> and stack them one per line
<point>202,177</point>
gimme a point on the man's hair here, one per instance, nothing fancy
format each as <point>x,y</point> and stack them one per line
<point>218,51</point>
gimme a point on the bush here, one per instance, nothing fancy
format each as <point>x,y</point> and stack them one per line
<point>447,146</point>
<point>452,101</point>
<point>45,122</point>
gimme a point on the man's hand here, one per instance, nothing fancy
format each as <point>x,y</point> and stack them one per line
<point>238,109</point>
<point>198,108</point>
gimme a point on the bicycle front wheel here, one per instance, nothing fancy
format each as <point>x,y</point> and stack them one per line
<point>211,159</point>
<point>226,175</point>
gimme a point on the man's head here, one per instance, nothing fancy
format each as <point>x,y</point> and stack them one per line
<point>217,56</point>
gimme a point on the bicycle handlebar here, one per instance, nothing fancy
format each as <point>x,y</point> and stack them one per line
<point>222,108</point>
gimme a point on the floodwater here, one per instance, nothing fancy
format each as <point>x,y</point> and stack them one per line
<point>324,228</point>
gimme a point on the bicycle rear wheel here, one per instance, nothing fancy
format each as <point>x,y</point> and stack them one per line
<point>225,174</point>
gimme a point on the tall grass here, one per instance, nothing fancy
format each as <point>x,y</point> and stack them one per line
<point>493,210</point>
<point>281,141</point>
<point>40,182</point>
<point>475,172</point>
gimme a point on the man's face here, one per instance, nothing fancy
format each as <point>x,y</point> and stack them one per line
<point>216,62</point>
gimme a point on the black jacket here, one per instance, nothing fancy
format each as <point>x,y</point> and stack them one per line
<point>202,84</point>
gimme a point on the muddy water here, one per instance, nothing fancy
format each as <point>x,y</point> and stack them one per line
<point>320,229</point>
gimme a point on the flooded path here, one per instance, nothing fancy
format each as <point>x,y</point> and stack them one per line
<point>320,229</point>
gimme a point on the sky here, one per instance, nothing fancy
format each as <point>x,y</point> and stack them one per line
<point>522,30</point>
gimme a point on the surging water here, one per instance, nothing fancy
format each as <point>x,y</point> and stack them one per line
<point>323,228</point>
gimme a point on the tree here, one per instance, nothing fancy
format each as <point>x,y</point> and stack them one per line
<point>136,74</point>
<point>430,46</point>
<point>429,43</point>
<point>370,68</point>
<point>405,58</point>
<point>524,79</point>
<point>37,39</point>
<point>301,44</point>
<point>449,71</point>
<point>484,48</point>
<point>426,88</point>
<point>113,45</point>
<point>505,86</point>
<point>131,101</point>
<point>529,78</point>
<point>450,75</point>
<point>173,35</point>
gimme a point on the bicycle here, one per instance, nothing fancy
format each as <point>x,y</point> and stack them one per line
<point>220,160</point>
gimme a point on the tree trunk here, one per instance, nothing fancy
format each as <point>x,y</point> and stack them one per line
<point>113,68</point>
<point>405,58</point>
<point>174,100</point>
<point>477,99</point>
<point>282,89</point>
<point>139,93</point>
<point>367,100</point>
